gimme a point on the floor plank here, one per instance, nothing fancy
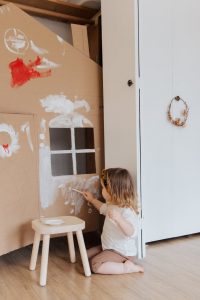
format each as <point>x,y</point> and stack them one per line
<point>172,271</point>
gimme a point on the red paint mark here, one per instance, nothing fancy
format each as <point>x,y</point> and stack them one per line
<point>21,72</point>
<point>5,147</point>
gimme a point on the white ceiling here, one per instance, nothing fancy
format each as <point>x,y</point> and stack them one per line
<point>87,3</point>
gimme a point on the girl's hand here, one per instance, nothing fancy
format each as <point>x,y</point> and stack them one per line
<point>88,196</point>
<point>114,215</point>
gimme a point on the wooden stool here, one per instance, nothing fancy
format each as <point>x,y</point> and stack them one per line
<point>70,224</point>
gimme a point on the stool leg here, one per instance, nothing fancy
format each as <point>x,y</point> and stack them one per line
<point>34,254</point>
<point>71,247</point>
<point>83,252</point>
<point>44,260</point>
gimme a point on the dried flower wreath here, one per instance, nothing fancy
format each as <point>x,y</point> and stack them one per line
<point>184,114</point>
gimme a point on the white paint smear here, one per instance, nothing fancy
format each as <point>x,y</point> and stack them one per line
<point>43,125</point>
<point>69,120</point>
<point>75,199</point>
<point>43,130</point>
<point>72,211</point>
<point>81,104</point>
<point>48,186</point>
<point>16,41</point>
<point>36,49</point>
<point>26,127</point>
<point>66,108</point>
<point>61,105</point>
<point>60,39</point>
<point>6,150</point>
<point>46,64</point>
<point>42,136</point>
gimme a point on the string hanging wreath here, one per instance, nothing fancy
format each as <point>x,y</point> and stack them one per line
<point>6,150</point>
<point>181,120</point>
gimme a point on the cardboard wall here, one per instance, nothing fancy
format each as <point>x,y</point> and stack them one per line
<point>47,79</point>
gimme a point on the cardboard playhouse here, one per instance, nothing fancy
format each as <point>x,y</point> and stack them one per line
<point>50,128</point>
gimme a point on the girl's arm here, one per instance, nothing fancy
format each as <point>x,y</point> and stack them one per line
<point>126,227</point>
<point>90,198</point>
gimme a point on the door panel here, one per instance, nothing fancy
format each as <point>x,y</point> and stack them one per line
<point>119,67</point>
<point>170,164</point>
<point>120,108</point>
<point>19,183</point>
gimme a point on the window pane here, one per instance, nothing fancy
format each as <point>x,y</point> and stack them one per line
<point>60,138</point>
<point>85,163</point>
<point>61,164</point>
<point>84,138</point>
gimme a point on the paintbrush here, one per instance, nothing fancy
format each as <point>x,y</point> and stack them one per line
<point>77,191</point>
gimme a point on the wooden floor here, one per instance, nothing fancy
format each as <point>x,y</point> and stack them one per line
<point>172,272</point>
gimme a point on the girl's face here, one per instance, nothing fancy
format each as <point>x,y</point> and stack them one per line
<point>105,193</point>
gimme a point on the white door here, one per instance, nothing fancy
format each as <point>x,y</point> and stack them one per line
<point>169,47</point>
<point>120,123</point>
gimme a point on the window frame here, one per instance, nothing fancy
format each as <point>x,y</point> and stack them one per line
<point>73,150</point>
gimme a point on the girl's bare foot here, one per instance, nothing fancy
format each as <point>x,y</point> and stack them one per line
<point>130,267</point>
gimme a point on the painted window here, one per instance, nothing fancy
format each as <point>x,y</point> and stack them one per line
<point>72,151</point>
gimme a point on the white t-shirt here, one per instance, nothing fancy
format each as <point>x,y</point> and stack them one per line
<point>113,237</point>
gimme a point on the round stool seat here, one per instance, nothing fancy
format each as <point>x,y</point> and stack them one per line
<point>68,223</point>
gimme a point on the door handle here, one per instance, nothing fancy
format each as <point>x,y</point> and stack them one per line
<point>129,82</point>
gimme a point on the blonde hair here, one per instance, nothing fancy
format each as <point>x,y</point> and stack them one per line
<point>120,186</point>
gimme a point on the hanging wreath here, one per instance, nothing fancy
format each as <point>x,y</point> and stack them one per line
<point>7,150</point>
<point>179,121</point>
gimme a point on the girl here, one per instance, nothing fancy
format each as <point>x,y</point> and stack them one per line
<point>118,249</point>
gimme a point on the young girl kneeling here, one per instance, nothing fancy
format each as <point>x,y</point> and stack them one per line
<point>118,250</point>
